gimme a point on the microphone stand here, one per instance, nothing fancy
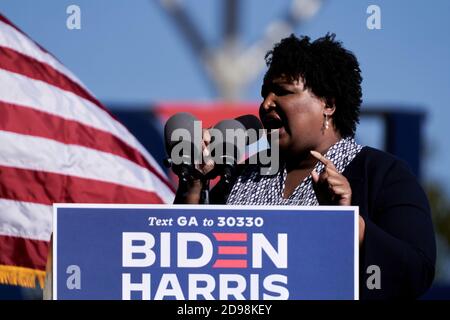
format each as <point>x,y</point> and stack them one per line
<point>187,173</point>
<point>204,195</point>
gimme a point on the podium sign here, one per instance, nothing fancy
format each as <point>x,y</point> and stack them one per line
<point>204,252</point>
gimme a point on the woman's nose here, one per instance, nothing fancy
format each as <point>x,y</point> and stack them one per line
<point>269,102</point>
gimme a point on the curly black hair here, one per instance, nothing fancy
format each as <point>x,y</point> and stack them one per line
<point>328,69</point>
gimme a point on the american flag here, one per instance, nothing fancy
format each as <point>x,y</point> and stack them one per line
<point>58,144</point>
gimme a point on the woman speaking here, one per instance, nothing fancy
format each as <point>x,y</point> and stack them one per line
<point>311,99</point>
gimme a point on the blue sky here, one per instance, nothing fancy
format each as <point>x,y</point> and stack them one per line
<point>128,52</point>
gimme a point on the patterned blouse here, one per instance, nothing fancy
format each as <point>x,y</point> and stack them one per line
<point>252,188</point>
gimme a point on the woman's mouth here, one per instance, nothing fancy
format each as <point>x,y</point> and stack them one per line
<point>274,124</point>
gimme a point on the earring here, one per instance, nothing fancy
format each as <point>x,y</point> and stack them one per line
<point>326,122</point>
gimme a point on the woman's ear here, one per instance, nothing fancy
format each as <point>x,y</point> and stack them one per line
<point>329,108</point>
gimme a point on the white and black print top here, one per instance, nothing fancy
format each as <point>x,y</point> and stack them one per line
<point>252,188</point>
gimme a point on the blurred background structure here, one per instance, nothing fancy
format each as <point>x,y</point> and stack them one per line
<point>148,59</point>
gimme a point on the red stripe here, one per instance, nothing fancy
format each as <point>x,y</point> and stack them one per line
<point>22,252</point>
<point>32,122</point>
<point>230,236</point>
<point>48,188</point>
<point>208,112</point>
<point>27,66</point>
<point>230,264</point>
<point>232,250</point>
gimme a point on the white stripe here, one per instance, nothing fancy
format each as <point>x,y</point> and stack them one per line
<point>35,153</point>
<point>39,95</point>
<point>13,39</point>
<point>25,220</point>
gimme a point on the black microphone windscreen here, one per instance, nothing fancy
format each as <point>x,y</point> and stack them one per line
<point>181,120</point>
<point>253,125</point>
<point>250,121</point>
<point>228,124</point>
<point>233,134</point>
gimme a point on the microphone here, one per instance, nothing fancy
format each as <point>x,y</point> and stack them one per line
<point>246,130</point>
<point>228,140</point>
<point>182,137</point>
<point>183,134</point>
<point>253,126</point>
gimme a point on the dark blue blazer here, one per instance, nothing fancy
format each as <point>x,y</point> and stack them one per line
<point>399,236</point>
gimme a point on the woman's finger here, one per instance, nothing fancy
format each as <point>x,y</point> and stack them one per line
<point>315,177</point>
<point>340,190</point>
<point>206,136</point>
<point>322,159</point>
<point>336,181</point>
<point>332,171</point>
<point>323,177</point>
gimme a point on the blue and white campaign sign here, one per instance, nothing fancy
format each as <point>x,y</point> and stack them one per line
<point>204,252</point>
